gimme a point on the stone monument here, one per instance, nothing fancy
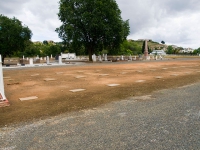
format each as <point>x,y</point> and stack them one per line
<point>146,50</point>
<point>3,99</point>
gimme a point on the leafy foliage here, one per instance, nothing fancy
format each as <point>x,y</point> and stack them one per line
<point>93,24</point>
<point>163,42</point>
<point>13,36</point>
<point>169,50</point>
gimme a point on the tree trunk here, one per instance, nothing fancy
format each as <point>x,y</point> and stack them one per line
<point>90,54</point>
<point>2,59</point>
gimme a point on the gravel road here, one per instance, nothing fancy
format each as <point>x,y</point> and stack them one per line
<point>168,119</point>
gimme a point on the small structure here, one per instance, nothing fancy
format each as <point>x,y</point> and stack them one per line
<point>158,52</point>
<point>68,55</point>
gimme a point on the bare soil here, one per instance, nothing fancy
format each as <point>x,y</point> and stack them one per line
<point>54,97</point>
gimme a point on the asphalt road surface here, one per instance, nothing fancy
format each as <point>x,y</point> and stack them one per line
<point>168,119</point>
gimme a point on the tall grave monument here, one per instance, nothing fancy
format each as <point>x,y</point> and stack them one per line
<point>3,99</point>
<point>146,50</point>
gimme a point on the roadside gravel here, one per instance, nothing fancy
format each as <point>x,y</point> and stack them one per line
<point>167,119</point>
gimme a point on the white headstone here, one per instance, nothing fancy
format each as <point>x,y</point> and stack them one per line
<point>41,58</point>
<point>23,56</point>
<point>60,60</point>
<point>122,57</point>
<point>105,57</point>
<point>51,56</point>
<point>99,57</point>
<point>47,59</point>
<point>94,58</point>
<point>31,61</point>
<point>130,58</point>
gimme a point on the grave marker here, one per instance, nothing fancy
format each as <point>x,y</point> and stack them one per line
<point>111,85</point>
<point>94,58</point>
<point>49,79</point>
<point>60,60</point>
<point>158,77</point>
<point>77,90</point>
<point>31,61</point>
<point>47,59</point>
<point>105,57</point>
<point>2,92</point>
<point>28,98</point>
<point>103,74</point>
<point>80,77</point>
<point>35,75</point>
<point>138,81</point>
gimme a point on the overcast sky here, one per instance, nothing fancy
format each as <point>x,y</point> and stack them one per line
<point>176,22</point>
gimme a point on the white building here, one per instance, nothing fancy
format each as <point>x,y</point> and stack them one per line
<point>68,55</point>
<point>158,52</point>
<point>187,50</point>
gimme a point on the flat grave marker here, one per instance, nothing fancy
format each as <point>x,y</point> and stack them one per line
<point>111,85</point>
<point>77,90</point>
<point>28,98</point>
<point>59,72</point>
<point>139,81</point>
<point>35,75</point>
<point>188,72</point>
<point>103,74</point>
<point>158,77</point>
<point>49,79</point>
<point>80,77</point>
<point>174,74</point>
<point>124,73</point>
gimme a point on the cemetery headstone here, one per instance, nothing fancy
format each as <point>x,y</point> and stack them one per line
<point>130,58</point>
<point>2,92</point>
<point>99,57</point>
<point>105,57</point>
<point>60,60</point>
<point>31,61</point>
<point>94,58</point>
<point>122,57</point>
<point>47,59</point>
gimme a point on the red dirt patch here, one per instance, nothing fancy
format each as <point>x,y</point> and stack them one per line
<point>55,98</point>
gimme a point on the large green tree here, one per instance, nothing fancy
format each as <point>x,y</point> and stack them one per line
<point>13,36</point>
<point>94,24</point>
<point>170,50</point>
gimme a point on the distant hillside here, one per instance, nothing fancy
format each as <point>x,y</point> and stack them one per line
<point>152,45</point>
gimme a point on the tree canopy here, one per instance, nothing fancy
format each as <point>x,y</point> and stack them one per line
<point>163,42</point>
<point>13,36</point>
<point>94,24</point>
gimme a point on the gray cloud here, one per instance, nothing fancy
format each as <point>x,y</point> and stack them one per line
<point>174,21</point>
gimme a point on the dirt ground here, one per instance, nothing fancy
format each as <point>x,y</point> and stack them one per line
<point>135,78</point>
